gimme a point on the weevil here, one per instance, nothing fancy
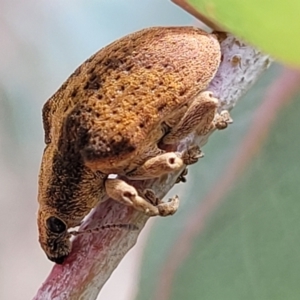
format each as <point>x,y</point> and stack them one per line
<point>117,114</point>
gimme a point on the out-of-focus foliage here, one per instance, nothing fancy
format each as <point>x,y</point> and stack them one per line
<point>273,26</point>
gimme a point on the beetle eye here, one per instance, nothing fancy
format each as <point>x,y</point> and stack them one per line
<point>55,225</point>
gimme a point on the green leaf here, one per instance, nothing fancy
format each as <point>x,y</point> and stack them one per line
<point>273,26</point>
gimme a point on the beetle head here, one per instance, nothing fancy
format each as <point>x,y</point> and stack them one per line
<point>53,236</point>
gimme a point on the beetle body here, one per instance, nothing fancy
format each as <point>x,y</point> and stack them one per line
<point>110,116</point>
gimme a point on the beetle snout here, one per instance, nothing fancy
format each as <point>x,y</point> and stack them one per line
<point>58,251</point>
<point>58,260</point>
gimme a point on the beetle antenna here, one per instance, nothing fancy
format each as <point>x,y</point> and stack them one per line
<point>103,227</point>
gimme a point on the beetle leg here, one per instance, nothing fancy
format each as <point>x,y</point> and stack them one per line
<point>164,208</point>
<point>222,120</point>
<point>199,116</point>
<point>165,163</point>
<point>124,193</point>
<point>157,166</point>
<point>182,176</point>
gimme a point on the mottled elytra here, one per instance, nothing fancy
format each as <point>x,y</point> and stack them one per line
<point>143,90</point>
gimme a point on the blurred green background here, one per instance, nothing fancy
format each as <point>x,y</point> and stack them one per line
<point>245,246</point>
<point>273,25</point>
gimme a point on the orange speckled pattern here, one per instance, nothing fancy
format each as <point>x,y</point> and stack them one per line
<point>127,89</point>
<point>109,117</point>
